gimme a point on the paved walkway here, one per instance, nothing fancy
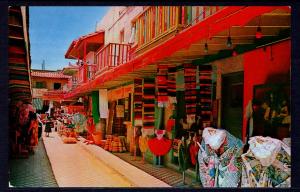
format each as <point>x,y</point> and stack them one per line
<point>74,167</point>
<point>165,174</point>
<point>32,172</point>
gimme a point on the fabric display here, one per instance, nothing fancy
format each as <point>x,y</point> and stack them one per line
<point>171,82</point>
<point>162,85</point>
<point>143,143</point>
<point>149,103</point>
<point>95,107</point>
<point>103,103</point>
<point>266,163</point>
<point>175,147</point>
<point>159,146</point>
<point>138,102</point>
<point>170,124</point>
<point>37,103</point>
<point>190,93</point>
<point>183,155</point>
<point>205,95</point>
<point>218,158</point>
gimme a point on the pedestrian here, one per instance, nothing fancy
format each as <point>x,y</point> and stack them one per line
<point>48,126</point>
<point>40,125</point>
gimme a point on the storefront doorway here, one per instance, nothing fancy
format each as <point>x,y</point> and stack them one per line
<point>232,103</point>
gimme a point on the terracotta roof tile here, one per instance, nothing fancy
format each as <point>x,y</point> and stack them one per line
<point>49,75</point>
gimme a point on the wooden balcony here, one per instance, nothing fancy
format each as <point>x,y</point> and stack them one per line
<point>112,55</point>
<point>158,23</point>
<point>85,73</point>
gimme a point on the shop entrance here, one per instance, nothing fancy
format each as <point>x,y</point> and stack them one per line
<point>232,103</point>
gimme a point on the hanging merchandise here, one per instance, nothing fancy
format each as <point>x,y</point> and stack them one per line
<point>143,143</point>
<point>205,96</point>
<point>161,82</point>
<point>218,158</point>
<point>149,104</point>
<point>172,83</point>
<point>138,102</point>
<point>170,124</point>
<point>37,103</point>
<point>190,88</point>
<point>267,163</point>
<point>103,103</point>
<point>159,146</point>
<point>95,106</point>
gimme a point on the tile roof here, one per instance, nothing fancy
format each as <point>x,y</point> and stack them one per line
<point>49,75</point>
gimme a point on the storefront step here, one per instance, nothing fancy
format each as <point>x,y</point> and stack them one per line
<point>136,176</point>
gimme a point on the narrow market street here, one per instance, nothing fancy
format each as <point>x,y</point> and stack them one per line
<point>73,166</point>
<point>150,96</point>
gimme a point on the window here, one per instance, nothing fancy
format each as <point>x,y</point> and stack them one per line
<point>40,84</point>
<point>132,36</point>
<point>122,36</point>
<point>57,86</point>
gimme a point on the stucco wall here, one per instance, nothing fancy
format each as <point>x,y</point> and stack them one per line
<point>117,19</point>
<point>49,82</point>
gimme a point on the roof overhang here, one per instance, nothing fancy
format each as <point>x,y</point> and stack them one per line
<point>185,46</point>
<point>93,42</point>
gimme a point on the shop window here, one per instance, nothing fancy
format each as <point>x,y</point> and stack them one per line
<point>57,86</point>
<point>40,84</point>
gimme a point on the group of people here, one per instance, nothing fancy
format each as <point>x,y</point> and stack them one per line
<point>26,127</point>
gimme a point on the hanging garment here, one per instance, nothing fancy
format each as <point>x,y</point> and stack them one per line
<point>183,155</point>
<point>266,163</point>
<point>143,143</point>
<point>222,170</point>
<point>159,146</point>
<point>33,133</point>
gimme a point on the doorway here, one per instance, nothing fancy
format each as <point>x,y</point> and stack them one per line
<point>232,103</point>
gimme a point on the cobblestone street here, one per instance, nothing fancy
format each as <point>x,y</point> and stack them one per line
<point>32,172</point>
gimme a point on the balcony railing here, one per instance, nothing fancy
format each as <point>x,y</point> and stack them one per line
<point>112,55</point>
<point>86,72</point>
<point>157,21</point>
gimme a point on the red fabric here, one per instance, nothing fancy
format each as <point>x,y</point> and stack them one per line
<point>170,124</point>
<point>259,68</point>
<point>193,153</point>
<point>159,147</point>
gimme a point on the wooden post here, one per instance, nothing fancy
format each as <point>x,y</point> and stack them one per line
<point>84,63</point>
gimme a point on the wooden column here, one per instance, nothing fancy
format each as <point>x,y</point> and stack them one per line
<point>84,63</point>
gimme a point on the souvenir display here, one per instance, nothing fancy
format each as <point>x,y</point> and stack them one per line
<point>218,158</point>
<point>267,163</point>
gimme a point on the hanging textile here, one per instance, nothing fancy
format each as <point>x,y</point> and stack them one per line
<point>266,163</point>
<point>183,155</point>
<point>138,102</point>
<point>95,107</point>
<point>218,158</point>
<point>205,95</point>
<point>190,91</point>
<point>162,85</point>
<point>149,104</point>
<point>37,103</point>
<point>103,103</point>
<point>159,146</point>
<point>171,86</point>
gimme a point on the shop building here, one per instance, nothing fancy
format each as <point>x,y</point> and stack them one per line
<point>48,87</point>
<point>154,66</point>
